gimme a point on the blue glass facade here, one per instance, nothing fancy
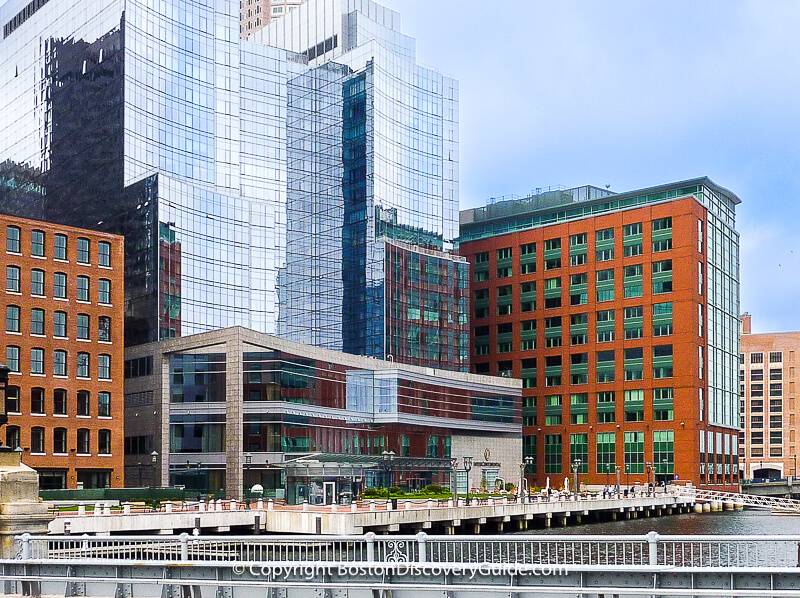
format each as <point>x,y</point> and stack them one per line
<point>255,181</point>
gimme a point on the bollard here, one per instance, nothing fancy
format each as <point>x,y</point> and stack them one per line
<point>333,507</point>
<point>305,504</point>
<point>491,501</point>
<point>505,500</point>
<point>389,505</point>
<point>408,505</point>
<point>168,507</point>
<point>67,527</point>
<point>126,508</point>
<point>98,509</point>
<point>370,539</point>
<point>201,506</point>
<point>233,505</point>
<point>372,504</point>
<point>81,510</point>
<point>220,505</point>
<point>184,539</point>
<point>423,557</point>
<point>270,505</point>
<point>107,509</point>
<point>450,503</point>
<point>260,504</point>
<point>652,540</point>
<point>26,547</point>
<point>430,503</point>
<point>353,507</point>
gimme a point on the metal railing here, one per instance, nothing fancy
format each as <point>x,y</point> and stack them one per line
<point>785,505</point>
<point>649,550</point>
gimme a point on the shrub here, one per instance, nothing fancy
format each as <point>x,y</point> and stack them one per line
<point>395,490</point>
<point>433,488</point>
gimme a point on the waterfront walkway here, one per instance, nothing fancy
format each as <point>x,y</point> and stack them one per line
<point>493,516</point>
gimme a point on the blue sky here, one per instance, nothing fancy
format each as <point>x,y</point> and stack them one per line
<point>634,94</point>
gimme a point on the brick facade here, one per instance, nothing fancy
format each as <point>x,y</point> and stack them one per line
<point>521,290</point>
<point>69,426</point>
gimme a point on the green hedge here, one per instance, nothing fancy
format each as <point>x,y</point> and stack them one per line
<point>120,494</point>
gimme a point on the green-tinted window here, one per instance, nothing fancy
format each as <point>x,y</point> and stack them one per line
<point>579,450</point>
<point>634,452</point>
<point>552,453</point>
<point>606,452</point>
<point>631,230</point>
<point>664,452</point>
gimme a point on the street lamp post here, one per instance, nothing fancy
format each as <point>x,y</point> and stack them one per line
<point>616,474</point>
<point>576,466</point>
<point>386,460</point>
<point>608,470</point>
<point>248,461</point>
<point>139,467</point>
<point>454,477</point>
<point>526,461</point>
<point>666,464</point>
<point>794,471</point>
<point>467,467</point>
<point>628,476</point>
<point>154,461</point>
<point>4,372</point>
<point>649,476</point>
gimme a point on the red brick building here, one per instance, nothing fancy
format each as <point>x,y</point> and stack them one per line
<point>63,342</point>
<point>618,313</point>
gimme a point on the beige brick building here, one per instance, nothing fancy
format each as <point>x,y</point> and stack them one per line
<point>767,376</point>
<point>257,14</point>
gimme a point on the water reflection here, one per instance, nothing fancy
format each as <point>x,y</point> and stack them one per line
<point>726,522</point>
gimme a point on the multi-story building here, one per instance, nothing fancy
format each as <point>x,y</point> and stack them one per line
<point>209,400</point>
<point>256,184</point>
<point>619,313</point>
<point>62,341</point>
<point>767,377</point>
<point>257,14</point>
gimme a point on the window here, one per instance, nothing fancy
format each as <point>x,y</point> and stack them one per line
<point>59,363</point>
<point>662,329</point>
<point>634,452</point>
<point>60,440</point>
<point>12,318</point>
<point>605,275</point>
<point>12,239</point>
<point>12,278</point>
<point>528,249</point>
<point>60,246</point>
<point>83,326</point>
<point>12,358</point>
<point>756,358</point>
<point>83,402</point>
<point>605,295</point>
<point>37,282</point>
<point>104,367</point>
<point>504,272</point>
<point>482,258</point>
<point>83,441</point>
<point>83,250</point>
<point>104,404</point>
<point>83,365</point>
<point>37,401</point>
<point>104,291</point>
<point>104,253</point>
<point>662,245</point>
<point>775,356</point>
<point>633,271</point>
<point>12,436</point>
<point>579,239</point>
<point>504,254</point>
<point>104,329</point>
<point>60,401</point>
<point>104,442</point>
<point>37,440</point>
<point>604,255</point>
<point>632,291</point>
<point>662,286</point>
<point>662,351</point>
<point>577,259</point>
<point>552,264</point>
<point>552,244</point>
<point>83,288</point>
<point>60,285</point>
<point>606,315</point>
<point>662,223</point>
<point>606,234</point>
<point>37,321</point>
<point>631,230</point>
<point>662,266</point>
<point>12,400</point>
<point>605,336</point>
<point>632,250</point>
<point>662,309</point>
<point>37,243</point>
<point>60,324</point>
<point>37,360</point>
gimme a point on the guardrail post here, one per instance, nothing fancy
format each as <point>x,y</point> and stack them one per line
<point>184,538</point>
<point>233,505</point>
<point>168,507</point>
<point>270,505</point>
<point>126,508</point>
<point>81,510</point>
<point>423,556</point>
<point>353,507</point>
<point>370,539</point>
<point>201,506</point>
<point>26,547</point>
<point>652,542</point>
<point>260,504</point>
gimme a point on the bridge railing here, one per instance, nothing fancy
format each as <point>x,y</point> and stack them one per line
<point>648,550</point>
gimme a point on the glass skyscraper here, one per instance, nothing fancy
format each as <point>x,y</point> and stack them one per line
<point>248,177</point>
